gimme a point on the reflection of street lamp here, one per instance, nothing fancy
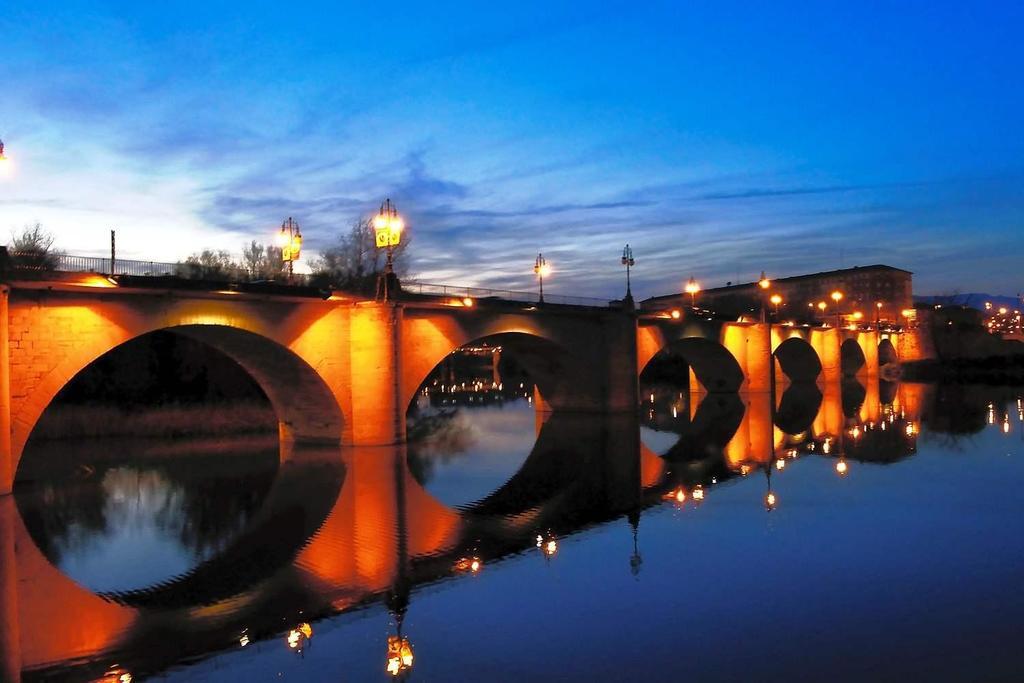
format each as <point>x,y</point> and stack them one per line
<point>541,268</point>
<point>289,239</point>
<point>387,228</point>
<point>841,467</point>
<point>627,260</point>
<point>692,288</point>
<point>400,655</point>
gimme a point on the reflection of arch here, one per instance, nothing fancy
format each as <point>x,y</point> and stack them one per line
<point>712,364</point>
<point>853,394</point>
<point>887,353</point>
<point>299,500</point>
<point>798,407</point>
<point>852,357</point>
<point>713,426</point>
<point>551,367</point>
<point>798,360</point>
<point>305,407</point>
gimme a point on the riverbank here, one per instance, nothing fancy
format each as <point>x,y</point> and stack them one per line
<point>77,421</point>
<point>992,370</point>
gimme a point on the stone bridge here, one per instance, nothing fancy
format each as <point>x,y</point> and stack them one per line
<point>366,530</point>
<point>338,369</point>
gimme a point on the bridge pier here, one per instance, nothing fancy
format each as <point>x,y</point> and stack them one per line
<point>10,634</point>
<point>377,411</point>
<point>6,454</point>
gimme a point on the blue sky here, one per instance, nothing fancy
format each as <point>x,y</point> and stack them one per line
<point>718,139</point>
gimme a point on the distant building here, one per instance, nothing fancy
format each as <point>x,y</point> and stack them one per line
<point>862,287</point>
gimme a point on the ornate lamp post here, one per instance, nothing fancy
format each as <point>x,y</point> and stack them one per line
<point>289,239</point>
<point>692,287</point>
<point>821,307</point>
<point>387,228</point>
<point>629,262</point>
<point>764,283</point>
<point>776,300</point>
<point>5,163</point>
<point>837,296</point>
<point>878,314</point>
<point>541,268</point>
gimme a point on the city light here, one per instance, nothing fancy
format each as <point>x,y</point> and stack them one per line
<point>763,282</point>
<point>676,314</point>
<point>841,467</point>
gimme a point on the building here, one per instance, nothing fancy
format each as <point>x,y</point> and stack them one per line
<point>862,287</point>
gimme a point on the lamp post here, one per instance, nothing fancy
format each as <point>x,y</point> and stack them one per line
<point>541,268</point>
<point>878,315</point>
<point>387,229</point>
<point>837,296</point>
<point>692,287</point>
<point>289,239</point>
<point>5,163</point>
<point>627,260</point>
<point>764,283</point>
<point>776,300</point>
<point>821,308</point>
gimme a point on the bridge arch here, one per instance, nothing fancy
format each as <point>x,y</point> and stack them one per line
<point>852,358</point>
<point>559,374</point>
<point>710,362</point>
<point>306,408</point>
<point>887,354</point>
<point>798,360</point>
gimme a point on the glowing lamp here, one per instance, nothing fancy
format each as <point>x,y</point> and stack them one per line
<point>857,315</point>
<point>776,299</point>
<point>1002,310</point>
<point>841,467</point>
<point>676,314</point>
<point>822,306</point>
<point>837,296</point>
<point>763,282</point>
<point>468,302</point>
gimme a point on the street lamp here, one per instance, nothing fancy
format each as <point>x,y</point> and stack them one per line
<point>289,239</point>
<point>387,229</point>
<point>692,288</point>
<point>821,308</point>
<point>878,314</point>
<point>541,268</point>
<point>764,283</point>
<point>776,300</point>
<point>5,163</point>
<point>627,260</point>
<point>837,296</point>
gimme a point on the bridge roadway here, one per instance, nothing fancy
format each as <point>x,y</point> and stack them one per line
<point>351,531</point>
<point>338,369</point>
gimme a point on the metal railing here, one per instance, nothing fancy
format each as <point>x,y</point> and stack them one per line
<point>67,263</point>
<point>433,289</point>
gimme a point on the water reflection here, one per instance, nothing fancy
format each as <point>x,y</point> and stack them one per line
<point>276,550</point>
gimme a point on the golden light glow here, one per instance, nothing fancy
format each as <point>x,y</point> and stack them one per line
<point>698,494</point>
<point>837,296</point>
<point>857,315</point>
<point>822,305</point>
<point>692,287</point>
<point>244,640</point>
<point>911,429</point>
<point>543,270</point>
<point>676,314</point>
<point>908,313</point>
<point>780,464</point>
<point>763,282</point>
<point>841,467</point>
<point>770,501</point>
<point>469,564</point>
<point>1002,310</point>
<point>878,304</point>
<point>776,299</point>
<point>468,302</point>
<point>400,655</point>
<point>551,547</point>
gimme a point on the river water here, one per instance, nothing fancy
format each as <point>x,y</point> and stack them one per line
<point>853,533</point>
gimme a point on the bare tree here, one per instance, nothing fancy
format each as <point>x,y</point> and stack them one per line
<point>262,262</point>
<point>354,261</point>
<point>33,248</point>
<point>209,265</point>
